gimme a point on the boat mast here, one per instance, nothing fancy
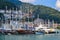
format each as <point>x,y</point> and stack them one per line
<point>12,10</point>
<point>32,20</point>
<point>16,14</point>
<point>28,16</point>
<point>5,18</point>
<point>21,16</point>
<point>45,23</point>
<point>53,23</point>
<point>16,18</point>
<point>5,12</point>
<point>56,25</point>
<point>48,23</point>
<point>39,18</point>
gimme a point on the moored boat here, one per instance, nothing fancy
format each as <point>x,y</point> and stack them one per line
<point>45,30</point>
<point>25,32</point>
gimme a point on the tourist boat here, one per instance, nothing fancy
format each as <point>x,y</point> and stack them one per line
<point>45,30</point>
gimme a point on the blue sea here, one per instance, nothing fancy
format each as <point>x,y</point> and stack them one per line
<point>31,37</point>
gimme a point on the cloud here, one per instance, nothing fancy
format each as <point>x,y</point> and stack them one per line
<point>27,1</point>
<point>58,3</point>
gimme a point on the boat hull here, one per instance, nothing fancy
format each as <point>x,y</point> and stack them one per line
<point>39,32</point>
<point>25,32</point>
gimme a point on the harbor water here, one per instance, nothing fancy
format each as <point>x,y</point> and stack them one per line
<point>31,37</point>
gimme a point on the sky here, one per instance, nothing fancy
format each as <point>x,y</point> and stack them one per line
<point>50,3</point>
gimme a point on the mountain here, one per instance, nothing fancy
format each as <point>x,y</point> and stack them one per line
<point>44,12</point>
<point>15,2</point>
<point>10,4</point>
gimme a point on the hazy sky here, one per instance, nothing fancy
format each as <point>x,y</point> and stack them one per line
<point>50,3</point>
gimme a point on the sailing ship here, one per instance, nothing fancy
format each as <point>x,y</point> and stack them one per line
<point>21,27</point>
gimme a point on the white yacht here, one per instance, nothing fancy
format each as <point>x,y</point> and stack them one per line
<point>45,29</point>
